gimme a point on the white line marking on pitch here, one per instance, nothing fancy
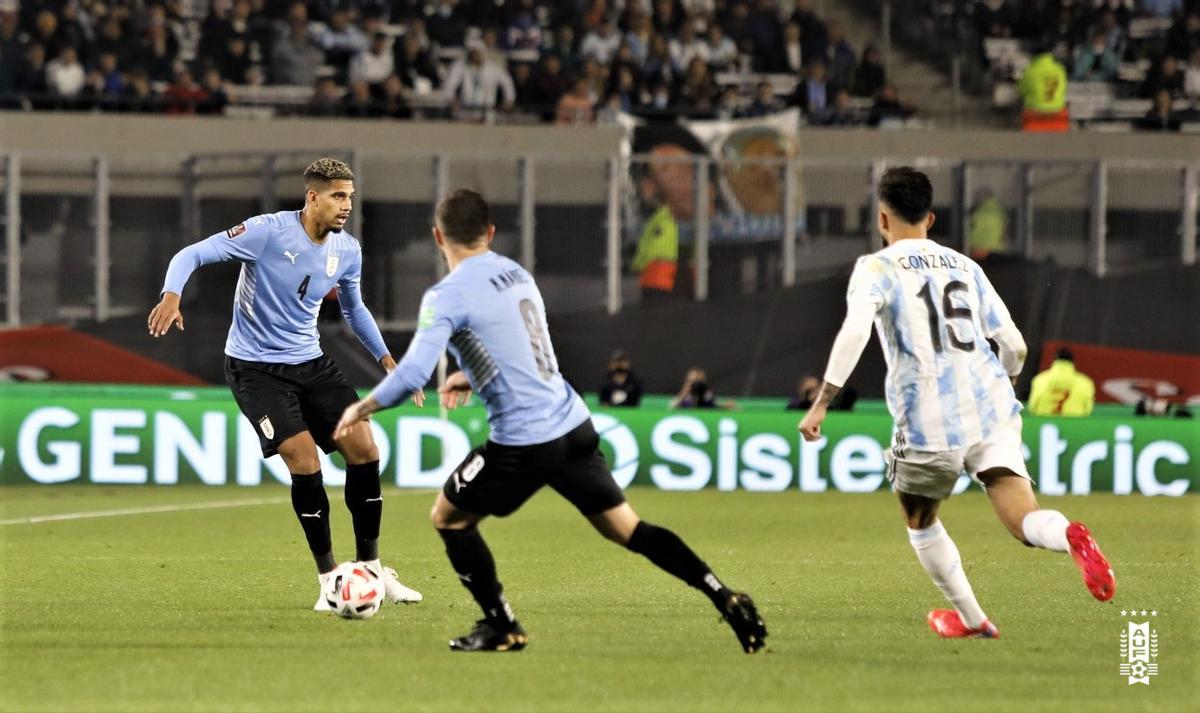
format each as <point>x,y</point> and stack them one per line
<point>217,504</point>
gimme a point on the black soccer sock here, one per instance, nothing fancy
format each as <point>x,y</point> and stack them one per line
<point>472,560</point>
<point>665,549</point>
<point>312,510</point>
<point>364,498</point>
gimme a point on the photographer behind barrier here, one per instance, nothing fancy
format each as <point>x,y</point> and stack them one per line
<point>621,387</point>
<point>695,393</point>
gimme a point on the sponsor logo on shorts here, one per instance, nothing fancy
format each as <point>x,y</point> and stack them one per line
<point>235,231</point>
<point>1139,648</point>
<point>264,425</point>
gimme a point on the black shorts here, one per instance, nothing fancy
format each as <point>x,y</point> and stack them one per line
<point>282,400</point>
<point>496,479</point>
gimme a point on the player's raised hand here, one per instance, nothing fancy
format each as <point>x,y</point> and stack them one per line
<point>164,314</point>
<point>418,398</point>
<point>810,425</point>
<point>456,391</point>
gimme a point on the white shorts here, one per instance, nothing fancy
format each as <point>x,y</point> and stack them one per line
<point>932,474</point>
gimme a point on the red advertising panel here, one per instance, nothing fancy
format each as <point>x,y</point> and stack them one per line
<point>61,354</point>
<point>1128,376</point>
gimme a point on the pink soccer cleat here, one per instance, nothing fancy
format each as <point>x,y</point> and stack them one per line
<point>947,624</point>
<point>1097,574</point>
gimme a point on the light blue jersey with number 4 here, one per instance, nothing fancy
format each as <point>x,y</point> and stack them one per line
<point>490,315</point>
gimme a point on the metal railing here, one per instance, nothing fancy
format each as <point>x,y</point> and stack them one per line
<point>88,237</point>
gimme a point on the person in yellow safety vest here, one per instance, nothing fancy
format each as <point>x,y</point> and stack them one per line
<point>657,257</point>
<point>1043,87</point>
<point>1061,390</point>
<point>986,233</point>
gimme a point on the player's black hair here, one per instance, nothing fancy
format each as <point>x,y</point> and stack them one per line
<point>907,192</point>
<point>1064,353</point>
<point>463,216</point>
<point>323,171</point>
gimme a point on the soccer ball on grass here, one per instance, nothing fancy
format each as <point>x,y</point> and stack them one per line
<point>355,592</point>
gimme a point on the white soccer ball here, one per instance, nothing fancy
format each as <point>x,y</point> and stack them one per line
<point>355,592</point>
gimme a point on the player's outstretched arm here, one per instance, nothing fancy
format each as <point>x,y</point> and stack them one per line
<point>165,314</point>
<point>847,349</point>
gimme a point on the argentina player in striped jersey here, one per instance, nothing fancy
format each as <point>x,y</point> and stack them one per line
<point>951,397</point>
<point>283,383</point>
<point>489,314</point>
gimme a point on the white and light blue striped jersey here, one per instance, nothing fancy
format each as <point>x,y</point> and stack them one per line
<point>285,276</point>
<point>934,311</point>
<point>489,313</point>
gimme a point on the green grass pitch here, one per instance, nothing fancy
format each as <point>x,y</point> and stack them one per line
<point>209,609</point>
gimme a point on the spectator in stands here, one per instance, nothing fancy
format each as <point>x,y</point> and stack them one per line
<point>139,97</point>
<point>358,102</point>
<point>841,56</point>
<point>659,67</point>
<point>183,94</point>
<point>668,17</point>
<point>551,83</point>
<point>1191,76</point>
<point>65,76</point>
<point>793,52</point>
<point>720,50</point>
<point>524,86</point>
<point>414,64</point>
<point>764,103</point>
<point>621,386</point>
<point>575,107</point>
<point>870,75</point>
<point>625,89</point>
<point>600,45</point>
<point>105,81</point>
<point>342,40</point>
<point>375,64</point>
<point>326,99</point>
<point>841,113</point>
<point>1095,62</point>
<point>1116,37</point>
<point>641,31</point>
<point>687,47</point>
<point>565,47</point>
<point>1161,8</point>
<point>214,86</point>
<point>392,104</point>
<point>813,38</point>
<point>447,24</point>
<point>1161,117</point>
<point>729,106</point>
<point>695,393</point>
<point>813,94</point>
<point>765,30</point>
<point>113,40</point>
<point>233,60</point>
<point>295,58</point>
<point>157,52</point>
<point>523,31</point>
<point>698,87</point>
<point>987,227</point>
<point>1165,76</point>
<point>475,87</point>
<point>1043,88</point>
<point>889,109</point>
<point>995,18</point>
<point>45,32</point>
<point>1061,390</point>
<point>1184,35</point>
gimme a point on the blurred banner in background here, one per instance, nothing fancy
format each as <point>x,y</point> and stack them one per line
<point>161,435</point>
<point>1130,376</point>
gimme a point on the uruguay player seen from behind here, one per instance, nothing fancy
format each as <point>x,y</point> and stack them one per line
<point>489,313</point>
<point>950,395</point>
<point>284,384</point>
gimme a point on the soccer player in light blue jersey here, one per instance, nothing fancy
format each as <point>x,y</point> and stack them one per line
<point>950,394</point>
<point>489,314</point>
<point>284,384</point>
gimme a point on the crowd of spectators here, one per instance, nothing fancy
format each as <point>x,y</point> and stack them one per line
<point>1144,49</point>
<point>569,61</point>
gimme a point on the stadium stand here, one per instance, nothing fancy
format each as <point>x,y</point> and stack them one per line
<point>518,61</point>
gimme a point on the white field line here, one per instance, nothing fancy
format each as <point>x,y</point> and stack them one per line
<point>214,505</point>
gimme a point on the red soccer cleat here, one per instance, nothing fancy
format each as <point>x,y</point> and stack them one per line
<point>947,624</point>
<point>1097,574</point>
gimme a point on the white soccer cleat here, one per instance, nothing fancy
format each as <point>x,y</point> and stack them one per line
<point>395,591</point>
<point>325,581</point>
